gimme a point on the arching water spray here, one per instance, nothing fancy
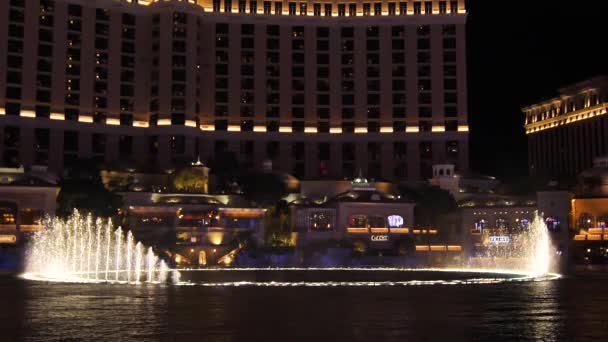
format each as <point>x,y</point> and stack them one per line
<point>83,249</point>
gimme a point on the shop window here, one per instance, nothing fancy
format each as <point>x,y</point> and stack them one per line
<point>377,221</point>
<point>357,221</point>
<point>321,222</point>
<point>586,221</point>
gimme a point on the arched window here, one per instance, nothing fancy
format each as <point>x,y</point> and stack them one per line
<point>586,221</point>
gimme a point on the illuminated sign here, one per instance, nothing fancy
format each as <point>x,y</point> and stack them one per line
<point>500,239</point>
<point>379,237</point>
<point>8,239</point>
<point>395,221</point>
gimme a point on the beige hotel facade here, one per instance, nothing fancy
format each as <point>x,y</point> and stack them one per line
<point>567,132</point>
<point>320,88</point>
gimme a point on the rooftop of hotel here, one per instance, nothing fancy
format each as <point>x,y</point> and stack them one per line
<point>600,81</point>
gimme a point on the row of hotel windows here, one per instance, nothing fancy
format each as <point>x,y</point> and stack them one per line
<point>42,142</point>
<point>127,76</point>
<point>347,73</point>
<point>301,8</point>
<point>73,58</point>
<point>249,125</point>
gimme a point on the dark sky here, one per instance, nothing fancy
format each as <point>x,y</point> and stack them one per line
<point>521,52</point>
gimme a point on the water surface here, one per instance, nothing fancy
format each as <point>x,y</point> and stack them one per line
<point>572,308</point>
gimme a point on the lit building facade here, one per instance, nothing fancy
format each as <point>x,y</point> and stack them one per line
<point>320,88</point>
<point>26,198</point>
<point>567,132</point>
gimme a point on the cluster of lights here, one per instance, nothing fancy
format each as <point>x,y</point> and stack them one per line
<point>567,119</point>
<point>309,12</point>
<point>232,128</point>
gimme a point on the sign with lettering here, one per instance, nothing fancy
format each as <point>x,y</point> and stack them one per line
<point>8,239</point>
<point>395,221</point>
<point>379,237</point>
<point>500,239</point>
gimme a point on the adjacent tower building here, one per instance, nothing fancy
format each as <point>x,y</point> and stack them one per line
<point>567,132</point>
<point>320,88</point>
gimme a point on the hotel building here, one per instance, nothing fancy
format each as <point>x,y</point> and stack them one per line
<point>567,132</point>
<point>320,88</point>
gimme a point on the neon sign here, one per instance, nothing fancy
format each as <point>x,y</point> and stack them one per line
<point>500,239</point>
<point>395,221</point>
<point>379,238</point>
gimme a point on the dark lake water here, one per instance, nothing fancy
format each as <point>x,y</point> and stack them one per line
<point>571,308</point>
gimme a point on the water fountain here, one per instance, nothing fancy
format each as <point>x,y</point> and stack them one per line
<point>80,249</point>
<point>85,250</point>
<point>538,247</point>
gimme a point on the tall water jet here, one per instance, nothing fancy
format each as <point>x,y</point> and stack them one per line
<point>119,238</point>
<point>539,247</point>
<point>77,249</point>
<point>97,247</point>
<point>138,259</point>
<point>129,253</point>
<point>150,262</point>
<point>89,246</point>
<point>108,241</point>
<point>163,271</point>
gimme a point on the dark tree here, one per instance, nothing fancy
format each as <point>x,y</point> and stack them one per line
<point>83,189</point>
<point>265,189</point>
<point>433,204</point>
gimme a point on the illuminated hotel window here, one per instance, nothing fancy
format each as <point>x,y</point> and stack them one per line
<point>278,8</point>
<point>443,7</point>
<point>417,7</point>
<point>366,9</point>
<point>428,7</point>
<point>403,8</point>
<point>317,9</point>
<point>253,7</point>
<point>292,8</point>
<point>377,8</point>
<point>341,10</point>
<point>391,8</point>
<point>352,10</point>
<point>453,6</point>
<point>328,10</point>
<point>267,7</point>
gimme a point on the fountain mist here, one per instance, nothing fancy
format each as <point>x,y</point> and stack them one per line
<point>75,249</point>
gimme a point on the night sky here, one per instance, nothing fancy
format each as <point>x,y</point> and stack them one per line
<point>521,52</point>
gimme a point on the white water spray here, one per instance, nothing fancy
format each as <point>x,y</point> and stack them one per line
<point>76,250</point>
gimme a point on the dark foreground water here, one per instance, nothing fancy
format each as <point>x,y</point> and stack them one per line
<point>570,309</point>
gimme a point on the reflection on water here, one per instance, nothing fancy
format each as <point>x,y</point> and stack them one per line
<point>566,309</point>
